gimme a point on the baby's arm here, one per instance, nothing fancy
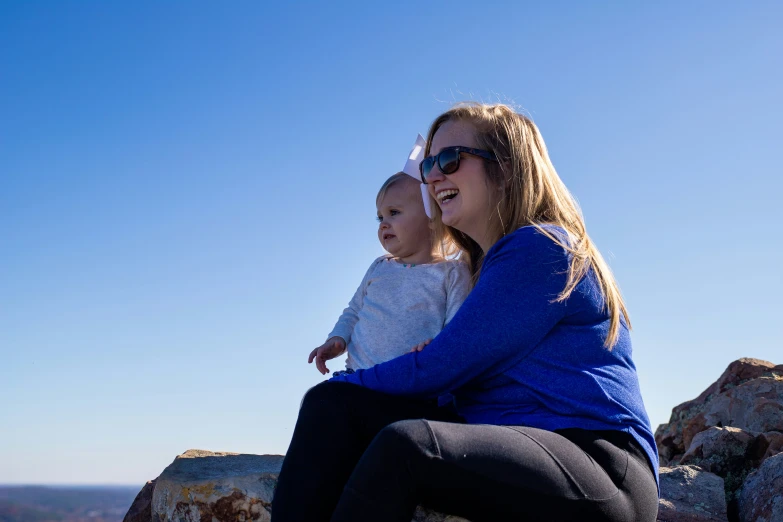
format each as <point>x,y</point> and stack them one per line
<point>340,335</point>
<point>458,286</point>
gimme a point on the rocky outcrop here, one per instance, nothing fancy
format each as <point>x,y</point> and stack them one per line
<point>730,430</point>
<point>205,486</point>
<point>202,486</point>
<point>691,494</point>
<point>141,509</point>
<point>731,453</point>
<point>721,455</point>
<point>761,499</point>
<point>773,441</point>
<point>748,396</point>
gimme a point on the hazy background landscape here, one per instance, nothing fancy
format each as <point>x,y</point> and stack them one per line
<point>65,504</point>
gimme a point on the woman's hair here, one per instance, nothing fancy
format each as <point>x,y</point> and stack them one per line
<point>442,245</point>
<point>532,195</point>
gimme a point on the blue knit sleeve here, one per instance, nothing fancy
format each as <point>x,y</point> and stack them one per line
<point>510,310</point>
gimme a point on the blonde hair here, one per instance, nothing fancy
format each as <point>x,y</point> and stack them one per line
<point>533,195</point>
<point>394,178</point>
<point>443,247</point>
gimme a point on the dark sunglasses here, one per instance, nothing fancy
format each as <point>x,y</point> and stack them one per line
<point>448,160</point>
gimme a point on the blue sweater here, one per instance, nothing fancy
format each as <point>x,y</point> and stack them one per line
<point>513,356</point>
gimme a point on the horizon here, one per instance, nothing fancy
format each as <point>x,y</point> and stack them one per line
<point>71,486</point>
<point>189,199</point>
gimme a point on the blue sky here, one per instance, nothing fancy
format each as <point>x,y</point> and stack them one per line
<point>187,197</point>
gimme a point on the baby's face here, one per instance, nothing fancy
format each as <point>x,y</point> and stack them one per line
<point>403,227</point>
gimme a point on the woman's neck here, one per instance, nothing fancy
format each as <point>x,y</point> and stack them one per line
<point>483,236</point>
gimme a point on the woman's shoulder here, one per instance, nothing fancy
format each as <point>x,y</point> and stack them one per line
<point>533,237</point>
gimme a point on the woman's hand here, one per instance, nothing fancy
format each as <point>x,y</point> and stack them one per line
<point>419,347</point>
<point>333,347</point>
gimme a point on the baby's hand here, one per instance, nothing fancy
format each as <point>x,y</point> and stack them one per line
<point>333,347</point>
<point>419,347</point>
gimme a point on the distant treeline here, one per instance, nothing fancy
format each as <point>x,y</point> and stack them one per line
<point>65,504</point>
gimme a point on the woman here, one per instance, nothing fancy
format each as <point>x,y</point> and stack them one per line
<point>550,423</point>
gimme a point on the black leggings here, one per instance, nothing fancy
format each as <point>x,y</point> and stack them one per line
<point>359,455</point>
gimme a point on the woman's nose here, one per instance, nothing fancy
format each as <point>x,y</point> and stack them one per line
<point>435,174</point>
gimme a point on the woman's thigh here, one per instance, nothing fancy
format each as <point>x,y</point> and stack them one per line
<point>486,472</point>
<point>336,423</point>
<point>336,409</point>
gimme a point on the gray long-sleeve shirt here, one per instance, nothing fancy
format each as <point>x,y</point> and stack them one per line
<point>398,306</point>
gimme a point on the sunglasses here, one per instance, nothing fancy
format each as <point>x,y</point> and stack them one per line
<point>448,160</point>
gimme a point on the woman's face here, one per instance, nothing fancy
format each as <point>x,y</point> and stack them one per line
<point>465,197</point>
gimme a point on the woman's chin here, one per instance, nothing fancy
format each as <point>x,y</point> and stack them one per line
<point>447,217</point>
<point>450,222</point>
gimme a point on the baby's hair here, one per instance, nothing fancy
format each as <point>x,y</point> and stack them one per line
<point>443,247</point>
<point>394,178</point>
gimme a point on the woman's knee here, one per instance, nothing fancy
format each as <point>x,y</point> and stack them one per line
<point>406,438</point>
<point>320,403</point>
<point>324,393</point>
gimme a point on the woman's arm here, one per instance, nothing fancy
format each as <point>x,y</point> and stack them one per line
<point>510,310</point>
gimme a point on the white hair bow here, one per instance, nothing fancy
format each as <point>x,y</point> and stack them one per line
<point>412,169</point>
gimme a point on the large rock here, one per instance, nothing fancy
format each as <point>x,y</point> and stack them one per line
<point>730,453</point>
<point>720,450</point>
<point>688,493</point>
<point>732,428</point>
<point>761,498</point>
<point>141,509</point>
<point>748,396</point>
<point>204,486</point>
<point>771,443</point>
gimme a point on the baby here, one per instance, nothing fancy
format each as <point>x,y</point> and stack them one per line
<point>407,296</point>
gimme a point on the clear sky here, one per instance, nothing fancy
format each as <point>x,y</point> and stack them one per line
<point>187,197</point>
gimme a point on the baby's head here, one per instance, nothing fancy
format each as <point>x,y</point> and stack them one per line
<point>403,226</point>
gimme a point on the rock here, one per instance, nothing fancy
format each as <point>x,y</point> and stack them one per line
<point>771,443</point>
<point>691,494</point>
<point>749,396</point>
<point>730,453</point>
<point>719,438</point>
<point>727,452</point>
<point>203,486</point>
<point>720,450</point>
<point>761,498</point>
<point>141,509</point>
<point>755,405</point>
